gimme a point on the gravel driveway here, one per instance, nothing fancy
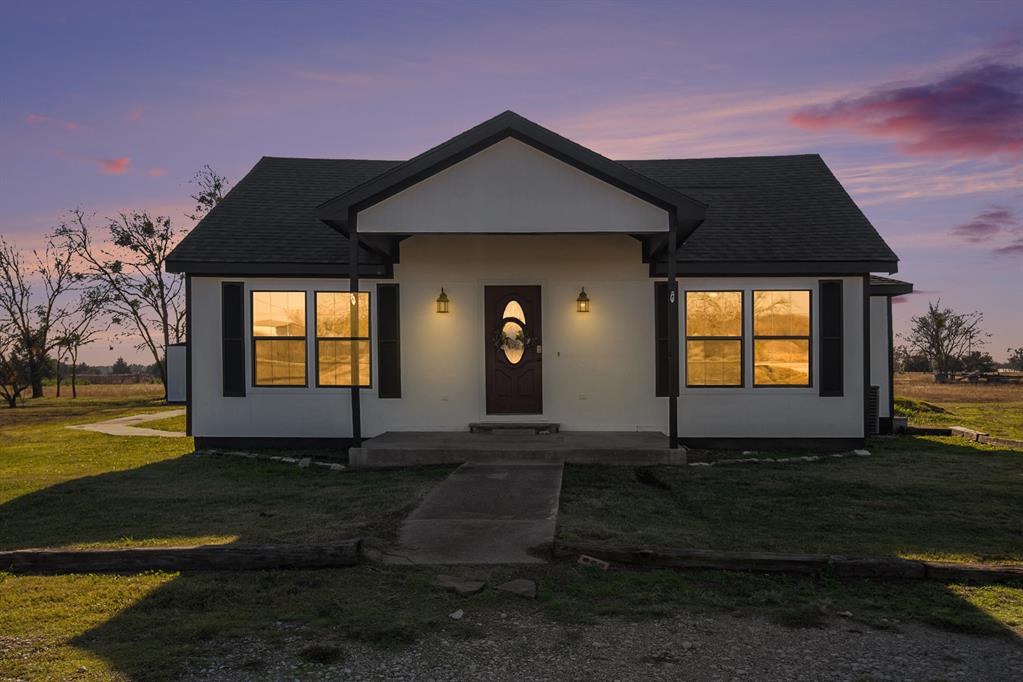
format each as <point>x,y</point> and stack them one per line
<point>684,648</point>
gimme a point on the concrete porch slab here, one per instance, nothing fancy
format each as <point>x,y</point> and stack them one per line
<point>484,514</point>
<point>615,448</point>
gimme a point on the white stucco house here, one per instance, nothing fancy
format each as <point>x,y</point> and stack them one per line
<point>510,275</point>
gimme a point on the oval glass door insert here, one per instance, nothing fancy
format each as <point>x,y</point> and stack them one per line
<point>513,332</point>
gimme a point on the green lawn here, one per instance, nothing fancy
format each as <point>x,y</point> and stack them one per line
<point>994,408</point>
<point>177,424</point>
<point>998,419</point>
<point>917,497</point>
<point>69,487</point>
<point>80,488</point>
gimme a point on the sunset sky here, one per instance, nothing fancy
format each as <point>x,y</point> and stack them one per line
<point>916,106</point>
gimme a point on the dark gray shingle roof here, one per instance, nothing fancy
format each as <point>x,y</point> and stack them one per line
<point>887,286</point>
<point>770,208</point>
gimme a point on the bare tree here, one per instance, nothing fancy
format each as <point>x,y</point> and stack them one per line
<point>945,338</point>
<point>83,328</point>
<point>31,312</point>
<point>209,191</point>
<point>14,369</point>
<point>131,269</point>
<point>129,265</point>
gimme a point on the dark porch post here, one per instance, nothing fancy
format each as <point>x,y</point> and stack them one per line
<point>673,321</point>
<point>353,284</point>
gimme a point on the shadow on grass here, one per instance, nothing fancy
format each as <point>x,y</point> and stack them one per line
<point>208,497</point>
<point>162,622</point>
<point>196,499</point>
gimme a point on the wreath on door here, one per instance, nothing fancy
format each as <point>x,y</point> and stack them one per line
<point>524,336</point>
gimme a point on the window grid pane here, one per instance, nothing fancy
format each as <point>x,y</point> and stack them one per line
<point>781,362</point>
<point>278,313</point>
<point>714,313</point>
<point>280,362</point>
<point>714,363</point>
<point>781,313</point>
<point>714,338</point>
<point>338,358</point>
<point>343,351</point>
<point>781,338</point>
<point>278,334</point>
<point>334,314</point>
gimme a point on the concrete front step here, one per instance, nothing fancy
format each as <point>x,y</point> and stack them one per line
<point>514,428</point>
<point>397,449</point>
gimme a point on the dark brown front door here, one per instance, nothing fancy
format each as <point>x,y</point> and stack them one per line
<point>512,334</point>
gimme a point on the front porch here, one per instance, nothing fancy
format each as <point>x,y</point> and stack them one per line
<point>612,448</point>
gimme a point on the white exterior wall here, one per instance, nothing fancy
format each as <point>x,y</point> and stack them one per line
<point>598,367</point>
<point>779,411</point>
<point>511,187</point>
<point>879,352</point>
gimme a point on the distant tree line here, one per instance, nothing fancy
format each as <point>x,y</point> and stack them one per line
<point>88,282</point>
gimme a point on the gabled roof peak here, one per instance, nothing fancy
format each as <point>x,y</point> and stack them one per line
<point>507,124</point>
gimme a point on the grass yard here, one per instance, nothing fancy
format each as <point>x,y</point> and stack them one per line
<point>935,498</point>
<point>920,497</point>
<point>996,408</point>
<point>61,487</point>
<point>175,424</point>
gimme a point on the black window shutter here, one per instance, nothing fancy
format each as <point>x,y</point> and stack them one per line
<point>388,341</point>
<point>832,369</point>
<point>232,313</point>
<point>662,340</point>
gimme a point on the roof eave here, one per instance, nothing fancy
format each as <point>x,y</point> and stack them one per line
<point>774,268</point>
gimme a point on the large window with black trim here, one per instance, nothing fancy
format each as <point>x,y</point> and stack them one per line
<point>342,338</point>
<point>781,338</point>
<point>714,338</point>
<point>278,338</point>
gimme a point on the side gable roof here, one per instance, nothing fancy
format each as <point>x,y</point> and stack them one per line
<point>782,209</point>
<point>268,223</point>
<point>509,124</point>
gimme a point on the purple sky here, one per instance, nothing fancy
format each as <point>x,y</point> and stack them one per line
<point>916,106</point>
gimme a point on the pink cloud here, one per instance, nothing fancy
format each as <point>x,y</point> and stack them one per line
<point>973,112</point>
<point>39,119</point>
<point>114,166</point>
<point>136,115</point>
<point>156,172</point>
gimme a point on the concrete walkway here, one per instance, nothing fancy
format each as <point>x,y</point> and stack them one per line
<point>484,513</point>
<point>127,426</point>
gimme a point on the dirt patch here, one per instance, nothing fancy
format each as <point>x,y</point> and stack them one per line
<point>529,646</point>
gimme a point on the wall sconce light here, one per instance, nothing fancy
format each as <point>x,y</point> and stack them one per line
<point>582,304</point>
<point>442,302</point>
